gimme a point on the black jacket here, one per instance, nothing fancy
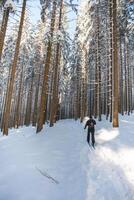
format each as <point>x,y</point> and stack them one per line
<point>90,123</point>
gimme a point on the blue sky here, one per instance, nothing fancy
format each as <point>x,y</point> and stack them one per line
<point>34,11</point>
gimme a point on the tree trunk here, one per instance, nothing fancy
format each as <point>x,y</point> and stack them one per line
<point>115,68</point>
<point>13,71</point>
<point>98,66</point>
<point>35,109</point>
<point>108,66</point>
<point>29,103</point>
<point>121,80</point>
<point>56,67</point>
<point>17,113</point>
<point>42,111</point>
<point>111,59</point>
<point>96,86</point>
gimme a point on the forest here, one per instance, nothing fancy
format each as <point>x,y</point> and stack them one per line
<point>53,76</point>
<point>46,75</point>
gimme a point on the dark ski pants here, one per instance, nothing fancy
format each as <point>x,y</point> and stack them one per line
<point>90,133</point>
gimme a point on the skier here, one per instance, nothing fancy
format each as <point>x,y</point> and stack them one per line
<point>90,123</point>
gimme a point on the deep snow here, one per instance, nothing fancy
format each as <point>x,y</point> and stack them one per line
<point>58,164</point>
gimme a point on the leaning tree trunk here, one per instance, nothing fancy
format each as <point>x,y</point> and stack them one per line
<point>13,71</point>
<point>42,111</point>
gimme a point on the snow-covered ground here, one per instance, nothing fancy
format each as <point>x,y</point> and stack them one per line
<point>58,164</point>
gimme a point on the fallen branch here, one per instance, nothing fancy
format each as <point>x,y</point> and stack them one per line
<point>47,175</point>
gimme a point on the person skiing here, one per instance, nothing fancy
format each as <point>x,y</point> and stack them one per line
<point>91,129</point>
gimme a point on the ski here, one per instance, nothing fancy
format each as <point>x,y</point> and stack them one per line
<point>91,147</point>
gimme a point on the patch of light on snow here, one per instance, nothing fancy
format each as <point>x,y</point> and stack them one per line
<point>105,135</point>
<point>121,159</point>
<point>128,122</point>
<point>129,172</point>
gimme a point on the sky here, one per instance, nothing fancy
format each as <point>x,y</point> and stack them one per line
<point>34,8</point>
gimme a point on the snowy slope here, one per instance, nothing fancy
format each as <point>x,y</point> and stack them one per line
<point>57,164</point>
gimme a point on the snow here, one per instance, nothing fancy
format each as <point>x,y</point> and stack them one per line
<point>10,4</point>
<point>58,164</point>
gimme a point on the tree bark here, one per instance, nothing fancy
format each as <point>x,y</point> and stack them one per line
<point>42,111</point>
<point>56,67</point>
<point>115,68</point>
<point>99,67</point>
<point>13,71</point>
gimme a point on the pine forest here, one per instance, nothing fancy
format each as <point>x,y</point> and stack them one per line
<point>75,60</point>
